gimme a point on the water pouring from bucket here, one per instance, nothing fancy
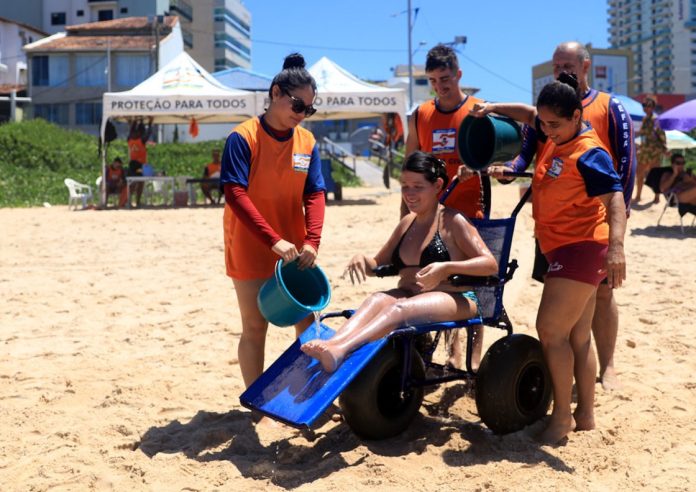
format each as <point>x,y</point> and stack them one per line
<point>491,138</point>
<point>293,294</point>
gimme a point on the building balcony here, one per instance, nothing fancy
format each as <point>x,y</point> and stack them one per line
<point>181,7</point>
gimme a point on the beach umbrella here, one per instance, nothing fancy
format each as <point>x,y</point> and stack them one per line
<point>676,140</point>
<point>633,107</point>
<point>679,140</point>
<point>682,117</point>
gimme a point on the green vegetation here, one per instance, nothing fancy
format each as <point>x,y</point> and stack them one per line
<point>342,175</point>
<point>36,156</point>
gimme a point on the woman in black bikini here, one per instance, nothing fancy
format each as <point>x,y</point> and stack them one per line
<point>429,245</point>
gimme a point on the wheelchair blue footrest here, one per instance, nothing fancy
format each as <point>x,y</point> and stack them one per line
<point>296,390</point>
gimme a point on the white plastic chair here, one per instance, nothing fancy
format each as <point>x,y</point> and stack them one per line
<point>156,188</point>
<point>78,193</point>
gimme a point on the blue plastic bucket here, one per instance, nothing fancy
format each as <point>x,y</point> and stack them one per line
<point>482,141</point>
<point>292,294</point>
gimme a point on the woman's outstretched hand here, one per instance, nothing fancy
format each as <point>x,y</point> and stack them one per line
<point>357,269</point>
<point>479,110</point>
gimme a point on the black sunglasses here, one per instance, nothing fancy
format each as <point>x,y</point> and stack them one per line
<point>299,106</point>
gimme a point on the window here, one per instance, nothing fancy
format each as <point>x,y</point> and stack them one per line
<point>105,15</point>
<point>49,70</point>
<point>80,13</point>
<point>90,70</point>
<point>131,69</point>
<point>58,18</point>
<point>124,10</point>
<point>88,113</point>
<point>55,113</point>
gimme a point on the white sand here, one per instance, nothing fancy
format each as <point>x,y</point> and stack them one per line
<point>118,368</point>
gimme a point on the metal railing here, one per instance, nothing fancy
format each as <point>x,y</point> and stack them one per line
<point>337,153</point>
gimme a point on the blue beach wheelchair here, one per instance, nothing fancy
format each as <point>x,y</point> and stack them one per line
<point>380,386</point>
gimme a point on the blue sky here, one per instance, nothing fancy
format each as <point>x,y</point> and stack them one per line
<point>505,38</point>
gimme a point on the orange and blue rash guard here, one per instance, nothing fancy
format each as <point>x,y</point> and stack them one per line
<point>115,174</point>
<point>212,169</point>
<point>568,179</point>
<point>137,150</point>
<point>614,128</point>
<point>272,179</point>
<point>437,133</point>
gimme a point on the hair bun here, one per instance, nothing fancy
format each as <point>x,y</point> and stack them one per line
<point>294,60</point>
<point>569,78</point>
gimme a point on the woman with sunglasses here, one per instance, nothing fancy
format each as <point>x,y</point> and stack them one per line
<point>274,201</point>
<point>653,145</point>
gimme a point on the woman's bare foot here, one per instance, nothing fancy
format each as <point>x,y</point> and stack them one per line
<point>556,430</point>
<point>323,353</point>
<point>609,379</point>
<point>584,421</point>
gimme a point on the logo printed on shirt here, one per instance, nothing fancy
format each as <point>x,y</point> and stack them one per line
<point>300,162</point>
<point>444,140</point>
<point>556,167</point>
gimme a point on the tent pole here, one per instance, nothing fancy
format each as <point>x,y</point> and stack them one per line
<point>102,188</point>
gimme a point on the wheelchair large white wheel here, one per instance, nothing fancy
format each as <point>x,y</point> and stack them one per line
<point>373,405</point>
<point>513,385</point>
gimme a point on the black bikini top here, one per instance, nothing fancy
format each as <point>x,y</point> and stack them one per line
<point>435,250</point>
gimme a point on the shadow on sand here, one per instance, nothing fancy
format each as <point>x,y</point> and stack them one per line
<point>301,457</point>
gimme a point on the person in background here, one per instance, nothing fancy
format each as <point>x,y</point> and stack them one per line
<point>137,153</point>
<point>116,181</point>
<point>680,181</point>
<point>274,201</point>
<point>433,127</point>
<point>212,171</point>
<point>653,145</point>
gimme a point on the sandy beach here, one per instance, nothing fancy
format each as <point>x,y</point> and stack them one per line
<point>118,366</point>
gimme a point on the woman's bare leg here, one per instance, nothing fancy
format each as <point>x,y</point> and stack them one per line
<point>585,368</point>
<point>563,303</point>
<point>641,171</point>
<point>687,196</point>
<point>252,342</point>
<point>422,308</point>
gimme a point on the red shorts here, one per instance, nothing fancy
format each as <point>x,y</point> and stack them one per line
<point>584,262</point>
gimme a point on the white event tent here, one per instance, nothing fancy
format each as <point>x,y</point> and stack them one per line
<point>178,92</point>
<point>342,96</point>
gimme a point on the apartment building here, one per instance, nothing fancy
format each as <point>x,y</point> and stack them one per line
<point>216,33</point>
<point>70,71</point>
<point>661,35</point>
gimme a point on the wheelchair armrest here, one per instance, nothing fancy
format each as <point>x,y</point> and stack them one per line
<point>457,280</point>
<point>385,271</point>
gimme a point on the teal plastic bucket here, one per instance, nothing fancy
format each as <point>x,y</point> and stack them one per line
<point>292,294</point>
<point>482,141</point>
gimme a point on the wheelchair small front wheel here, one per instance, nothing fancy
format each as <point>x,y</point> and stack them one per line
<point>513,385</point>
<point>374,405</point>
